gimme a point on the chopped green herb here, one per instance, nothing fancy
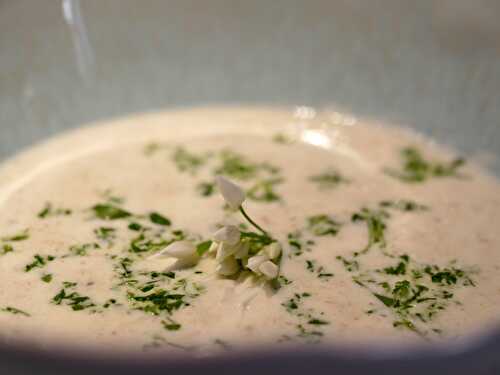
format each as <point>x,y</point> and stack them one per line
<point>6,248</point>
<point>135,227</point>
<point>415,300</point>
<point>323,225</point>
<point>417,169</point>
<point>349,265</point>
<point>105,233</point>
<point>235,165</point>
<point>206,189</point>
<point>109,303</point>
<point>203,247</point>
<point>47,278</point>
<point>158,301</point>
<point>263,190</point>
<point>110,212</point>
<point>448,276</point>
<point>297,244</point>
<point>385,300</point>
<point>124,268</point>
<point>256,241</point>
<point>49,210</point>
<point>143,244</point>
<point>282,139</point>
<point>318,322</point>
<point>76,301</point>
<point>404,323</point>
<point>280,282</point>
<point>14,311</point>
<point>186,161</point>
<point>82,250</point>
<point>325,275</point>
<point>329,179</point>
<point>171,325</point>
<point>400,269</point>
<point>375,220</point>
<point>111,198</point>
<point>21,236</point>
<point>404,205</point>
<point>310,265</point>
<point>156,218</point>
<point>38,262</point>
<point>304,333</point>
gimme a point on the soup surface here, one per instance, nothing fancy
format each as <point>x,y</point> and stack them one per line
<point>376,232</point>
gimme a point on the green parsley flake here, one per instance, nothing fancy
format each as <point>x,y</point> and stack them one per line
<point>14,311</point>
<point>171,325</point>
<point>282,139</point>
<point>21,236</point>
<point>38,262</point>
<point>6,248</point>
<point>413,292</point>
<point>187,161</point>
<point>329,179</point>
<point>110,212</point>
<point>323,225</point>
<point>47,278</point>
<point>203,247</point>
<point>82,250</point>
<point>236,166</point>
<point>404,205</point>
<point>105,233</point>
<point>375,221</point>
<point>417,169</point>
<point>158,219</point>
<point>206,189</point>
<point>49,211</point>
<point>75,300</point>
<point>263,190</point>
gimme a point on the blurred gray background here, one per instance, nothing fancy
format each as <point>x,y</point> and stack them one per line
<point>433,65</point>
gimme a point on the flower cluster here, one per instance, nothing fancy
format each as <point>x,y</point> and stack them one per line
<point>234,250</point>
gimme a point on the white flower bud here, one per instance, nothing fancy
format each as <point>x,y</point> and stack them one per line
<point>269,270</point>
<point>229,234</point>
<point>255,261</point>
<point>182,250</point>
<point>224,251</point>
<point>232,193</point>
<point>180,264</point>
<point>213,248</point>
<point>242,250</point>
<point>228,267</point>
<point>273,250</point>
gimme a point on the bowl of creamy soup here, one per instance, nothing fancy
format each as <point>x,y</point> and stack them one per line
<point>343,221</point>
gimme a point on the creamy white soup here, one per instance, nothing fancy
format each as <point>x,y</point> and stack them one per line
<point>215,229</point>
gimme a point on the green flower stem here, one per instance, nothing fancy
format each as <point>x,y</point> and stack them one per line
<point>251,221</point>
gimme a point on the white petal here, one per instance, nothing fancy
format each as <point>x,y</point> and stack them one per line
<point>180,264</point>
<point>179,250</point>
<point>228,267</point>
<point>273,250</point>
<point>241,251</point>
<point>232,193</point>
<point>225,251</point>
<point>269,270</point>
<point>213,247</point>
<point>229,234</point>
<point>255,261</point>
